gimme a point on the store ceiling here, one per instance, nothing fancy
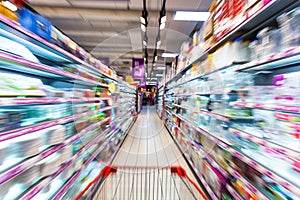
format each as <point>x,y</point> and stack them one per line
<point>111,28</point>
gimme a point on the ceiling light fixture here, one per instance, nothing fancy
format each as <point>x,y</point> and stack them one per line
<point>161,68</point>
<point>143,20</point>
<point>163,19</point>
<point>191,16</point>
<point>158,43</point>
<point>143,27</point>
<point>162,26</point>
<point>169,55</point>
<point>10,5</point>
<point>145,42</point>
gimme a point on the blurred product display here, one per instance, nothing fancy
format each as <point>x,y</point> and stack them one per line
<point>230,100</point>
<point>233,105</point>
<point>59,116</point>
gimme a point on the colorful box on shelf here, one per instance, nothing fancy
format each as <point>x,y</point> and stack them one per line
<point>35,23</point>
<point>27,130</point>
<point>56,49</point>
<point>253,189</point>
<point>290,55</point>
<point>234,193</point>
<point>33,191</point>
<point>285,151</point>
<point>207,187</point>
<point>213,163</point>
<point>289,186</point>
<point>280,180</point>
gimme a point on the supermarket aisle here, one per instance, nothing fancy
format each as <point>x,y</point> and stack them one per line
<point>149,144</point>
<point>147,149</point>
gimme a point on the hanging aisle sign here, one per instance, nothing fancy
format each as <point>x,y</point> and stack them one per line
<point>143,83</point>
<point>138,70</point>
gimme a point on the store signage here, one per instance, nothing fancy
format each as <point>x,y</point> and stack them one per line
<point>143,83</point>
<point>138,70</point>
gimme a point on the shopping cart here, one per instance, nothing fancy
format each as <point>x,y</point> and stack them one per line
<point>142,183</point>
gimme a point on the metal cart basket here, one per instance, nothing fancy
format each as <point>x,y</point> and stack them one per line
<point>142,183</point>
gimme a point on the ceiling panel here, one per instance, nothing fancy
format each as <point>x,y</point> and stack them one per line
<point>112,28</point>
<point>50,3</point>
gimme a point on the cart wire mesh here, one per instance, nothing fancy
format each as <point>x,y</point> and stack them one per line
<point>142,183</point>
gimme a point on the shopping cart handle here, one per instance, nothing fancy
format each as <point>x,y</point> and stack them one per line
<point>107,170</point>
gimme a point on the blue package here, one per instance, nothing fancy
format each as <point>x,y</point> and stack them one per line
<point>35,23</point>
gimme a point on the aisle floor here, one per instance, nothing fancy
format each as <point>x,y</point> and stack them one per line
<point>148,145</point>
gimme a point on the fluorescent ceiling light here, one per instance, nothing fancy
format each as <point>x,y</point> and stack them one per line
<point>169,55</point>
<point>161,68</point>
<point>163,19</point>
<point>158,43</point>
<point>143,27</point>
<point>10,6</point>
<point>162,26</point>
<point>155,58</point>
<point>142,19</point>
<point>159,75</point>
<point>191,16</point>
<point>154,78</point>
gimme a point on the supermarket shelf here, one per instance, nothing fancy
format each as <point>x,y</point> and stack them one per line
<point>281,149</point>
<point>160,86</point>
<point>168,112</point>
<point>208,157</point>
<point>16,63</point>
<point>118,147</point>
<point>217,116</point>
<point>275,107</point>
<point>36,43</point>
<point>67,185</point>
<point>112,157</point>
<point>280,179</point>
<point>183,70</point>
<point>45,100</point>
<point>234,193</point>
<point>257,21</point>
<point>205,74</point>
<point>28,163</point>
<point>199,175</point>
<point>209,93</point>
<point>167,106</point>
<point>286,58</point>
<point>207,187</point>
<point>42,184</point>
<point>30,129</point>
<point>249,26</point>
<point>249,185</point>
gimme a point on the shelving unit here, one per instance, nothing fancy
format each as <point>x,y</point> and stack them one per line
<point>90,122</point>
<point>232,124</point>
